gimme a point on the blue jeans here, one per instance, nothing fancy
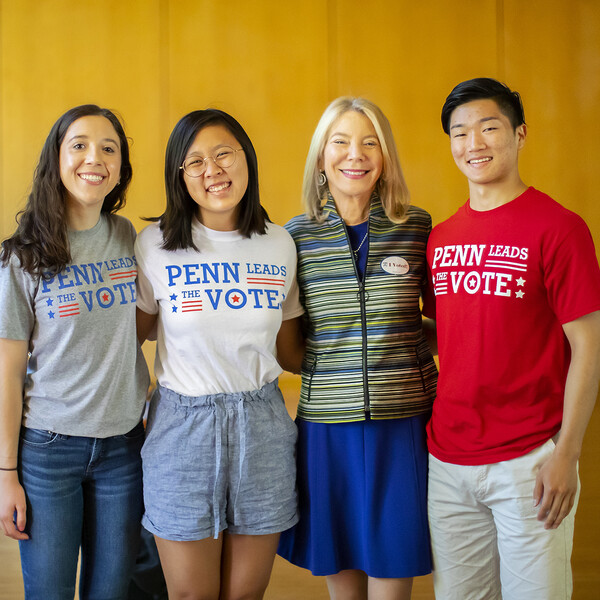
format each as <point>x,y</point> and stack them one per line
<point>81,493</point>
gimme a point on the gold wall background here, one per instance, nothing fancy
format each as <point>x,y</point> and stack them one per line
<point>275,65</point>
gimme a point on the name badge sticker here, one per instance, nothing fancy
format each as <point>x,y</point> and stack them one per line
<point>395,265</point>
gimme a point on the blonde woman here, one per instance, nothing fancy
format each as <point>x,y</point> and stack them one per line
<point>368,376</point>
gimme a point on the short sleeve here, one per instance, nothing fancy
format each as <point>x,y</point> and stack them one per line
<point>428,293</point>
<point>17,291</point>
<point>145,299</point>
<point>291,306</point>
<point>571,273</point>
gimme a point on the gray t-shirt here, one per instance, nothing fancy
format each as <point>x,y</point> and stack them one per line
<point>86,374</point>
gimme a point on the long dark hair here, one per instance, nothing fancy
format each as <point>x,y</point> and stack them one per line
<point>176,221</point>
<point>41,240</point>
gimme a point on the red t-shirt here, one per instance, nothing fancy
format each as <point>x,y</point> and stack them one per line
<point>504,283</point>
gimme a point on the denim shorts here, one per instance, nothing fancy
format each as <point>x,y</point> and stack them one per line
<point>216,462</point>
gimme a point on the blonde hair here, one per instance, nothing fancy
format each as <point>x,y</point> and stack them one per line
<point>391,186</point>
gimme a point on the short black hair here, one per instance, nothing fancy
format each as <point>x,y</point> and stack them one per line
<point>176,221</point>
<point>483,88</point>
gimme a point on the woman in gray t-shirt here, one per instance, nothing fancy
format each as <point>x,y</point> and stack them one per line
<point>73,379</point>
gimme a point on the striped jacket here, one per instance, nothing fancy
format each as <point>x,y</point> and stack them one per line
<point>365,350</point>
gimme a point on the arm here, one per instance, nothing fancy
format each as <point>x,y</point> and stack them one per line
<point>556,482</point>
<point>430,333</point>
<point>144,324</point>
<point>13,366</point>
<point>290,345</point>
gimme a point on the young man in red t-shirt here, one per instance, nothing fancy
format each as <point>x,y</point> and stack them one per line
<point>516,297</point>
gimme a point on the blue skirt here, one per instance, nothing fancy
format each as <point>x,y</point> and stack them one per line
<point>362,497</point>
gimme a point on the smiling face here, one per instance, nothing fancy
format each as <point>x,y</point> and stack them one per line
<point>352,158</point>
<point>90,166</point>
<point>219,190</point>
<point>484,144</point>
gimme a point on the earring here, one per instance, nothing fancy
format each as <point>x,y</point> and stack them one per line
<point>322,179</point>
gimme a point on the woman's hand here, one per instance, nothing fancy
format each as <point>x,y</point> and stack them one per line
<point>13,366</point>
<point>12,499</point>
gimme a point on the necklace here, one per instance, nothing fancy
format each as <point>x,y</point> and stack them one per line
<point>361,244</point>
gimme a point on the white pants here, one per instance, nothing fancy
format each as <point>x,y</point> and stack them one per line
<point>486,539</point>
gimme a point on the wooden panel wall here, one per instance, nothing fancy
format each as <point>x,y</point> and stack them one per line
<point>275,65</point>
<point>57,54</point>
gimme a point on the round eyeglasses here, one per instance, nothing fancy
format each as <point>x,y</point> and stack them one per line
<point>196,165</point>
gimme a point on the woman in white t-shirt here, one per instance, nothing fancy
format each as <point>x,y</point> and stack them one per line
<point>216,279</point>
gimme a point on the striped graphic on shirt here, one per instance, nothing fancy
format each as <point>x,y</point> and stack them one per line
<point>191,305</point>
<point>123,274</point>
<point>68,309</point>
<point>266,281</point>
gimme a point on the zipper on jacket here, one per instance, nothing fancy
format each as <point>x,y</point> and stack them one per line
<point>313,368</point>
<point>419,364</point>
<point>362,296</point>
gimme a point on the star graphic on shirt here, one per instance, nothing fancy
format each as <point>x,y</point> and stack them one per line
<point>472,282</point>
<point>235,298</point>
<point>173,297</point>
<point>105,297</point>
<point>520,281</point>
<point>520,294</point>
<point>49,302</point>
<point>51,315</point>
<point>174,309</point>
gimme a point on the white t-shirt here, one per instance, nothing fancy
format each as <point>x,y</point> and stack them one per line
<point>219,309</point>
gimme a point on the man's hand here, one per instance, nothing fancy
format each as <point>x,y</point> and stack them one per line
<point>555,489</point>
